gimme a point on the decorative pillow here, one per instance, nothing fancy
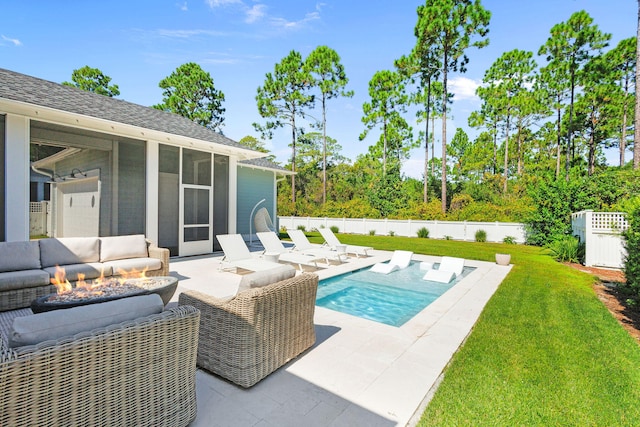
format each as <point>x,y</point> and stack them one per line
<point>52,325</point>
<point>266,277</point>
<point>69,250</point>
<point>16,256</point>
<point>123,247</point>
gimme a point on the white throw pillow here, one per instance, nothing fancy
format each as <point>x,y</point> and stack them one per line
<point>123,247</point>
<point>51,325</point>
<point>266,277</point>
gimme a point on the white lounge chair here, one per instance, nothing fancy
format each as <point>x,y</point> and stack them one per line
<point>304,246</point>
<point>262,221</point>
<point>332,241</point>
<point>272,244</point>
<point>237,254</point>
<point>449,269</point>
<point>399,260</point>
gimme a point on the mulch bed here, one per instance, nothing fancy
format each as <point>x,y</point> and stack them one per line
<point>608,292</point>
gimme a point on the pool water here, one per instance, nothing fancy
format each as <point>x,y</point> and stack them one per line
<point>392,299</point>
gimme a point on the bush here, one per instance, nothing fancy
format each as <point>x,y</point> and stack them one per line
<point>481,236</point>
<point>392,233</point>
<point>632,261</point>
<point>423,233</point>
<point>567,249</point>
<point>372,232</point>
<point>509,240</point>
<point>302,227</point>
<point>334,228</point>
<point>448,238</point>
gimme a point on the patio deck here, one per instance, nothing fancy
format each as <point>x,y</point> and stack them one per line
<point>359,372</point>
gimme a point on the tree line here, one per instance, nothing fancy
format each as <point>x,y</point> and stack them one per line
<point>543,128</point>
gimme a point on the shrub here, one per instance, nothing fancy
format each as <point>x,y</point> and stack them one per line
<point>567,249</point>
<point>423,233</point>
<point>302,227</point>
<point>334,228</point>
<point>392,233</point>
<point>632,261</point>
<point>481,236</point>
<point>372,232</point>
<point>509,240</point>
<point>448,238</point>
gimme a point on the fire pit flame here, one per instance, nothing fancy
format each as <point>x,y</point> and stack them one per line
<point>96,287</point>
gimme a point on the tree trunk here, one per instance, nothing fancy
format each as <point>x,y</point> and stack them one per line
<point>636,136</point>
<point>324,150</point>
<point>444,136</point>
<point>425,197</point>
<point>623,136</point>
<point>433,144</point>
<point>384,149</point>
<point>520,147</point>
<point>591,168</point>
<point>495,147</point>
<point>559,139</point>
<point>506,157</point>
<point>293,160</point>
<point>570,129</point>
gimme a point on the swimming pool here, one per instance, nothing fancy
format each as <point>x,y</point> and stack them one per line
<point>392,299</point>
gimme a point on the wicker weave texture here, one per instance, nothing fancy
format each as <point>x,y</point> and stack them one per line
<point>247,338</point>
<point>21,298</point>
<point>139,373</point>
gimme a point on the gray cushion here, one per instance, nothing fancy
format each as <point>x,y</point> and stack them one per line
<point>91,270</point>
<point>19,256</point>
<point>69,250</point>
<point>52,325</point>
<point>266,277</point>
<point>122,247</point>
<point>11,280</point>
<point>131,264</point>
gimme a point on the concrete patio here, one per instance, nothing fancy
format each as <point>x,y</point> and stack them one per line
<point>359,372</point>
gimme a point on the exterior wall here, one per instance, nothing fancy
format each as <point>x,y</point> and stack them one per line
<point>457,230</point>
<point>2,179</point>
<point>601,234</point>
<point>253,186</point>
<point>16,223</point>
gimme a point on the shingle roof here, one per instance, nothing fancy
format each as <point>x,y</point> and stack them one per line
<point>32,90</point>
<point>265,164</point>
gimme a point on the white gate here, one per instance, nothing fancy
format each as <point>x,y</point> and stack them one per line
<point>601,234</point>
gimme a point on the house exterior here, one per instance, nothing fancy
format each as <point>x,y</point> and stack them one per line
<point>118,168</point>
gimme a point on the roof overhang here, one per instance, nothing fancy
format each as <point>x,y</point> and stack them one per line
<point>80,121</point>
<point>283,172</point>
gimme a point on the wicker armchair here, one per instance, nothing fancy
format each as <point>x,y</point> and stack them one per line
<point>247,338</point>
<point>138,373</point>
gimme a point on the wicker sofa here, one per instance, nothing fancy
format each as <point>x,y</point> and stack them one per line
<point>139,372</point>
<point>26,268</point>
<point>246,338</point>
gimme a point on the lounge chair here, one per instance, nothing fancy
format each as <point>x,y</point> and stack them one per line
<point>304,246</point>
<point>449,269</point>
<point>332,241</point>
<point>262,221</point>
<point>237,254</point>
<point>272,244</point>
<point>399,260</point>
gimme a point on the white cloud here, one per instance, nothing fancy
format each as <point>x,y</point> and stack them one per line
<point>284,23</point>
<point>462,88</point>
<point>15,42</point>
<point>185,34</point>
<point>183,6</point>
<point>215,3</point>
<point>255,13</point>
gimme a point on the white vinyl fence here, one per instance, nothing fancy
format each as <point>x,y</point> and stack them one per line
<point>456,230</point>
<point>601,234</point>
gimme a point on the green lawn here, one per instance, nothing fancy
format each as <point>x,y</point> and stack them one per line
<point>545,350</point>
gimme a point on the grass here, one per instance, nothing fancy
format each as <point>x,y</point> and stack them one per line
<point>545,351</point>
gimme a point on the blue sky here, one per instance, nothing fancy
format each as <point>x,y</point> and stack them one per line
<point>139,42</point>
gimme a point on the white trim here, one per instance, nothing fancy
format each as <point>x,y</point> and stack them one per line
<point>16,178</point>
<point>233,195</point>
<point>152,178</point>
<point>80,121</point>
<point>264,168</point>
